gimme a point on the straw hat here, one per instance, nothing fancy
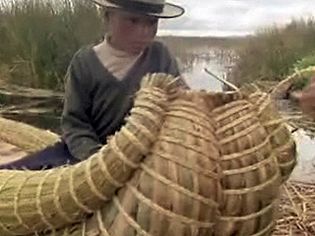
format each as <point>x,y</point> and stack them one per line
<point>157,8</point>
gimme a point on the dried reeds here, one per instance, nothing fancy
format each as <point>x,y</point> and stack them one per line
<point>280,137</point>
<point>251,177</point>
<point>297,210</point>
<point>24,136</point>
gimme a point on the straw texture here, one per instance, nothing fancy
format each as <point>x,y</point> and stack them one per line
<point>251,177</point>
<point>177,186</point>
<point>212,171</point>
<point>24,136</point>
<point>281,139</point>
<point>39,200</point>
<point>297,211</point>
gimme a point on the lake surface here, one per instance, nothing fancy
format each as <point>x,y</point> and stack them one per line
<point>198,79</point>
<point>305,169</point>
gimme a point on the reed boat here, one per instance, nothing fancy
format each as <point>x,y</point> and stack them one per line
<point>192,163</point>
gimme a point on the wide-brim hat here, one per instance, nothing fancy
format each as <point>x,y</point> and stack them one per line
<point>157,8</point>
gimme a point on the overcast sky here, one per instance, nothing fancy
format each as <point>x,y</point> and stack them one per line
<point>234,17</point>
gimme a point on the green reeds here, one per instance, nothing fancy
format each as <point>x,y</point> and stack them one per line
<point>38,38</point>
<point>272,52</point>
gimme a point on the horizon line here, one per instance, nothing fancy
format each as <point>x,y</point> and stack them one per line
<point>203,33</point>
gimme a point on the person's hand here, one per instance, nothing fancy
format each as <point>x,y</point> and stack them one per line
<point>307,99</point>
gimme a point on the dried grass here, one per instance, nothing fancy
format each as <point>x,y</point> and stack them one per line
<point>297,210</point>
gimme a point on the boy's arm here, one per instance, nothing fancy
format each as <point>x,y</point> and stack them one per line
<point>78,133</point>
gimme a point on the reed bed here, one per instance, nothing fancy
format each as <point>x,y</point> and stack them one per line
<point>297,210</point>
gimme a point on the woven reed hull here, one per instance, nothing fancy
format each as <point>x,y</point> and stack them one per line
<point>251,178</point>
<point>212,171</point>
<point>176,189</point>
<point>281,139</point>
<point>39,200</point>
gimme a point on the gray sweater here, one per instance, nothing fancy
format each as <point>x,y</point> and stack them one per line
<point>96,103</point>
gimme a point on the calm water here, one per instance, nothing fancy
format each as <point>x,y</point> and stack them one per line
<point>193,68</point>
<point>197,78</point>
<point>305,170</point>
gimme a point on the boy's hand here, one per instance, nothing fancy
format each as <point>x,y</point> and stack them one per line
<point>307,99</point>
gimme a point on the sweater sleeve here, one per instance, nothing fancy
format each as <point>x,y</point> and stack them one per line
<point>78,133</point>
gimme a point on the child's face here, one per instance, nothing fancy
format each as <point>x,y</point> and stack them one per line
<point>131,32</point>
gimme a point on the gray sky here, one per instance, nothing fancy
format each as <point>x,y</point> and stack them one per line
<point>234,17</point>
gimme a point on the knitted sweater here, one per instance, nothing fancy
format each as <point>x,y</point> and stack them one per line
<point>96,102</point>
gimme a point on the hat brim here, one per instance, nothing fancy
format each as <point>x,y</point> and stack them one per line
<point>169,10</point>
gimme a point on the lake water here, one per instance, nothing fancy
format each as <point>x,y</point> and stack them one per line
<point>305,169</point>
<point>198,79</point>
